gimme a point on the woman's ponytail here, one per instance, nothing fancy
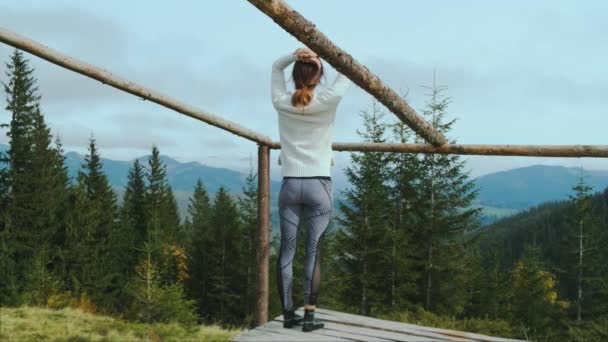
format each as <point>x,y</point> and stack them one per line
<point>302,97</point>
<point>306,76</point>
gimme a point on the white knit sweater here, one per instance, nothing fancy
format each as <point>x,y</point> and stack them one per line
<point>306,133</point>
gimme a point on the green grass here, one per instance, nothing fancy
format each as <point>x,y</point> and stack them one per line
<point>41,324</point>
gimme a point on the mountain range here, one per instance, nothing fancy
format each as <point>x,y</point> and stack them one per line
<point>500,194</point>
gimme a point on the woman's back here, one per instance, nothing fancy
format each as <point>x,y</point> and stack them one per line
<point>306,132</point>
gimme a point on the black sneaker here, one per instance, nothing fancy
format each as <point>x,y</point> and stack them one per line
<point>310,323</point>
<point>290,318</point>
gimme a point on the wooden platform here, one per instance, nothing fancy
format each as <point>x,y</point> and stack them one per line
<point>341,326</point>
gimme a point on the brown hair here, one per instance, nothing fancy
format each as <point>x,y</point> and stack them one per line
<point>305,76</point>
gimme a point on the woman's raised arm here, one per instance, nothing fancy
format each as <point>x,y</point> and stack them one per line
<point>336,90</point>
<point>278,86</point>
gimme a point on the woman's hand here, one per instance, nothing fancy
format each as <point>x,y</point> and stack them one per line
<point>306,55</point>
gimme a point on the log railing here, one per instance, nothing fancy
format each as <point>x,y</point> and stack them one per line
<point>566,151</point>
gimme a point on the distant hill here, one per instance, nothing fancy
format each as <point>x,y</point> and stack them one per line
<point>528,186</point>
<point>546,225</point>
<point>181,176</point>
<point>501,194</point>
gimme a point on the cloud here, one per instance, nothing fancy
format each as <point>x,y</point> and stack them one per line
<point>506,105</point>
<point>77,32</point>
<point>487,86</point>
<point>78,135</point>
<point>68,27</point>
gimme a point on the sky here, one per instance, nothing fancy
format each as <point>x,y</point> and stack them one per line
<point>517,72</point>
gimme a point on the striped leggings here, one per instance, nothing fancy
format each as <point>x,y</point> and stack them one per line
<point>307,201</point>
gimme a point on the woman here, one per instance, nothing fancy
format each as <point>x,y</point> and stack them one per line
<point>306,119</point>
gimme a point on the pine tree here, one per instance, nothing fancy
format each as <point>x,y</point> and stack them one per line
<point>163,219</point>
<point>599,299</point>
<point>361,257</point>
<point>199,210</point>
<point>172,217</point>
<point>248,205</point>
<point>9,286</point>
<point>579,239</point>
<point>40,283</point>
<point>491,289</point>
<point>403,176</point>
<point>93,231</point>
<point>50,178</point>
<point>154,302</point>
<point>59,191</point>
<point>535,305</point>
<point>226,260</point>
<point>15,253</point>
<point>34,182</point>
<point>444,215</point>
<point>162,211</point>
<point>133,211</point>
<point>133,227</point>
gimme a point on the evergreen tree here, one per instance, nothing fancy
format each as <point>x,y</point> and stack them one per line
<point>226,260</point>
<point>599,296</point>
<point>133,212</point>
<point>491,286</point>
<point>248,205</point>
<point>403,173</point>
<point>360,247</point>
<point>162,211</point>
<point>154,302</point>
<point>579,243</point>
<point>9,286</point>
<point>199,210</point>
<point>163,220</point>
<point>50,177</point>
<point>535,306</point>
<point>172,218</point>
<point>554,227</point>
<point>443,214</point>
<point>133,227</point>
<point>34,184</point>
<point>274,301</point>
<point>40,283</point>
<point>22,98</point>
<point>95,271</point>
<point>59,190</point>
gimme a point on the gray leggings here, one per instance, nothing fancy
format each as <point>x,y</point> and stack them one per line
<point>309,201</point>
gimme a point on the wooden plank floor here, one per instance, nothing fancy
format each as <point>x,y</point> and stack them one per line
<point>340,326</point>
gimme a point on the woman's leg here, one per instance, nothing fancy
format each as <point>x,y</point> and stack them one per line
<point>289,213</point>
<point>318,196</point>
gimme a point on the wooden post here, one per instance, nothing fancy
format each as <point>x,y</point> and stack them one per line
<point>306,32</point>
<point>263,246</point>
<point>105,77</point>
<point>558,151</point>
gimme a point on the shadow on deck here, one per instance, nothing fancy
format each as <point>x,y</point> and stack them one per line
<point>341,326</point>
